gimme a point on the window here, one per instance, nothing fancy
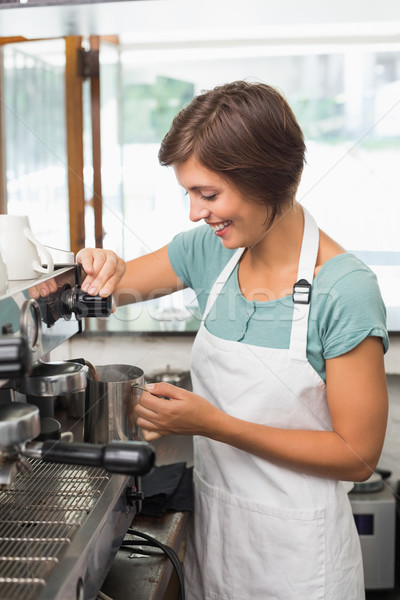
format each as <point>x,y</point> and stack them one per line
<point>342,80</point>
<point>346,100</point>
<point>35,142</point>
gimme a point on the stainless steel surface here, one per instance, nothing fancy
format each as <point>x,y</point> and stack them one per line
<point>30,325</point>
<point>19,422</point>
<point>60,525</point>
<point>74,403</point>
<point>32,450</point>
<point>54,379</point>
<point>10,467</point>
<point>110,403</point>
<point>140,387</point>
<point>56,327</point>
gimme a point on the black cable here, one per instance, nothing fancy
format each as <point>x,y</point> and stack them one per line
<point>141,544</point>
<point>171,554</point>
<point>166,549</point>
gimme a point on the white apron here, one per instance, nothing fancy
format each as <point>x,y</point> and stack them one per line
<point>261,531</point>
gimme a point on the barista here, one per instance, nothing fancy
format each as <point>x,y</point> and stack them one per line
<point>289,385</point>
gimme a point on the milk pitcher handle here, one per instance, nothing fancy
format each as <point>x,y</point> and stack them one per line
<point>43,253</point>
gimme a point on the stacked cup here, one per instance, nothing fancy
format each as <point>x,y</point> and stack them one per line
<point>22,254</point>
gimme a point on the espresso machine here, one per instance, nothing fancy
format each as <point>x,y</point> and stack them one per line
<point>65,506</point>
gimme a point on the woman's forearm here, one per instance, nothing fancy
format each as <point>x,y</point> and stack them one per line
<point>320,453</point>
<point>147,277</point>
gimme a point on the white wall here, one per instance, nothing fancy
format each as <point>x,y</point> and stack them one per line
<point>164,19</point>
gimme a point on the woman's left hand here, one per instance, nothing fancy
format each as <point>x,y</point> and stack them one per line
<point>43,289</point>
<point>178,412</point>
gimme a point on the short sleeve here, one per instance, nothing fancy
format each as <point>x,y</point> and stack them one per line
<point>177,251</point>
<point>353,310</point>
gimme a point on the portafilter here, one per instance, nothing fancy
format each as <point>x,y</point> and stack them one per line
<point>20,423</point>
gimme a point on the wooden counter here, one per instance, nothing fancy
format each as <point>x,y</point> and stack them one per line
<point>135,576</point>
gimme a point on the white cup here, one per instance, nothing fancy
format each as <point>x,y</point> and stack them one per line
<point>23,254</point>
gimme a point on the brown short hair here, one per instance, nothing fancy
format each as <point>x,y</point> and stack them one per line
<point>245,132</point>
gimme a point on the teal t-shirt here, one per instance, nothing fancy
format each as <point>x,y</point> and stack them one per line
<point>346,303</point>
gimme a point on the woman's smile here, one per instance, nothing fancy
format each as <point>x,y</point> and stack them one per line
<point>219,228</point>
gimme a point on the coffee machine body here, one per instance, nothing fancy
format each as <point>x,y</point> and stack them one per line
<point>64,507</point>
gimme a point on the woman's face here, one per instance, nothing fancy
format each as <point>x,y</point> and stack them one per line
<point>238,222</point>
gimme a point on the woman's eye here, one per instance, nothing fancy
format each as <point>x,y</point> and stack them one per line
<point>212,197</point>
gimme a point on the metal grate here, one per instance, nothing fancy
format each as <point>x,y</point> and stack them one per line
<point>39,516</point>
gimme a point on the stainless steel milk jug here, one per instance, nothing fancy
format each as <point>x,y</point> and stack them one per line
<point>111,396</point>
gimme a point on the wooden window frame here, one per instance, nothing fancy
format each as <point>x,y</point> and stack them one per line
<point>74,139</point>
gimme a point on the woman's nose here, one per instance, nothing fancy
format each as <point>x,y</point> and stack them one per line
<point>198,210</point>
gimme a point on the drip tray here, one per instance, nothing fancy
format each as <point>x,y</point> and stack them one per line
<point>60,528</point>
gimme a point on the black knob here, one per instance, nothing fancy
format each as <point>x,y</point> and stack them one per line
<point>15,357</point>
<point>84,305</point>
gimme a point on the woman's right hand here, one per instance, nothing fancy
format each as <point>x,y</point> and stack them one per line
<point>104,270</point>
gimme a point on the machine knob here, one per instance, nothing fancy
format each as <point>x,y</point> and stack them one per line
<point>84,305</point>
<point>15,357</point>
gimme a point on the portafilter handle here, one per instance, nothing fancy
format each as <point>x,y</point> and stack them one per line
<point>84,305</point>
<point>128,458</point>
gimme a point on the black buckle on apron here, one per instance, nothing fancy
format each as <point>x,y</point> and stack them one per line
<point>301,292</point>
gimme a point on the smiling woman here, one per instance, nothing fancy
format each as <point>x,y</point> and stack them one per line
<point>285,303</point>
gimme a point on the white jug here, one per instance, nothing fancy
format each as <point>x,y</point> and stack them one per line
<point>22,252</point>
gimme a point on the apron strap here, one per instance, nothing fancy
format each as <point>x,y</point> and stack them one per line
<point>221,280</point>
<point>302,289</point>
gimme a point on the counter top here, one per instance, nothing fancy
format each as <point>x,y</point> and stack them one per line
<point>148,577</point>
